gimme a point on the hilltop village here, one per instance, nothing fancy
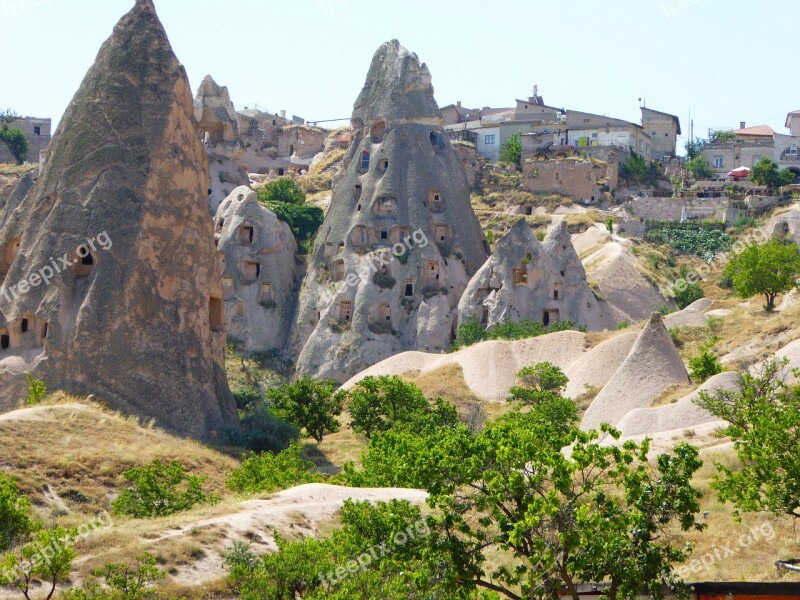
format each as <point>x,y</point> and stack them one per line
<point>530,339</point>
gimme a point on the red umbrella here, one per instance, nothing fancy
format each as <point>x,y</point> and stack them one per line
<point>740,172</point>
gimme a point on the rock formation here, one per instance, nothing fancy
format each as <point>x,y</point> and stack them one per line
<point>259,272</point>
<point>218,125</point>
<point>784,225</point>
<point>651,367</point>
<point>110,283</point>
<point>525,280</point>
<point>400,240</point>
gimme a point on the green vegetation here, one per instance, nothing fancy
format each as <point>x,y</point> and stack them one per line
<point>473,332</point>
<point>699,168</point>
<point>122,582</point>
<point>269,472</point>
<point>14,513</point>
<point>21,569</point>
<point>705,240</point>
<point>160,489</point>
<point>309,404</point>
<point>36,391</point>
<point>635,168</point>
<point>260,430</point>
<point>540,382</point>
<point>610,225</point>
<point>766,172</point>
<point>764,417</point>
<point>287,200</point>
<point>511,151</point>
<point>706,364</point>
<point>13,137</point>
<point>770,269</point>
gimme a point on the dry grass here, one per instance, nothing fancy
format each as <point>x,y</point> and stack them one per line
<point>9,169</point>
<point>674,393</point>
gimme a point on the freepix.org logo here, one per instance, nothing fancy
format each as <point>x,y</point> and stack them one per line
<point>45,274</point>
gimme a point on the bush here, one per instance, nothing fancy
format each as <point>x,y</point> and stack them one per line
<point>689,294</point>
<point>304,220</point>
<point>261,431</point>
<point>309,404</point>
<point>511,151</point>
<point>706,364</point>
<point>122,582</point>
<point>269,472</point>
<point>472,331</point>
<point>246,397</point>
<point>699,168</point>
<point>160,489</point>
<point>383,280</point>
<point>16,141</point>
<point>36,391</point>
<point>21,569</point>
<point>14,513</point>
<point>285,190</point>
<point>705,240</point>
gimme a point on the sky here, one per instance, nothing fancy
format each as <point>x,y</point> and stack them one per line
<point>720,61</point>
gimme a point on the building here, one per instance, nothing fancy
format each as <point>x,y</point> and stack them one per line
<point>38,133</point>
<point>664,130</point>
<point>747,145</point>
<point>477,126</point>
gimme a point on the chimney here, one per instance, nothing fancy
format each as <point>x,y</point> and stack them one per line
<point>283,114</point>
<point>458,103</point>
<point>742,124</point>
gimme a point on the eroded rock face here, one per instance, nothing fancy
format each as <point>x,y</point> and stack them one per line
<point>400,240</point>
<point>259,272</point>
<point>137,317</point>
<point>525,280</point>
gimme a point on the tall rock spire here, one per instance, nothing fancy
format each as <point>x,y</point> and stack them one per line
<point>400,240</point>
<point>136,317</point>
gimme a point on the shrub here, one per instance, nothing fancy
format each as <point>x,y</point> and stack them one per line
<point>705,240</point>
<point>122,582</point>
<point>511,151</point>
<point>21,569</point>
<point>689,294</point>
<point>269,472</point>
<point>622,325</point>
<point>261,431</point>
<point>383,280</point>
<point>304,220</point>
<point>472,331</point>
<point>379,403</point>
<point>706,364</point>
<point>246,396</point>
<point>36,391</point>
<point>160,489</point>
<point>16,141</point>
<point>285,190</point>
<point>14,513</point>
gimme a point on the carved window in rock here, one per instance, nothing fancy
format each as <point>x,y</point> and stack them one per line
<point>83,262</point>
<point>520,276</point>
<point>435,203</point>
<point>358,191</point>
<point>383,165</point>
<point>338,270</point>
<point>442,233</point>
<point>251,271</point>
<point>432,274</point>
<point>24,325</point>
<point>345,310</point>
<point>558,291</point>
<point>385,312</point>
<point>359,235</point>
<point>42,333</point>
<point>216,314</point>
<point>5,339</point>
<point>227,286</point>
<point>363,164</point>
<point>408,286</point>
<point>386,206</point>
<point>437,141</point>
<point>265,295</point>
<point>550,316</point>
<point>11,251</point>
<point>246,235</point>
<point>378,131</point>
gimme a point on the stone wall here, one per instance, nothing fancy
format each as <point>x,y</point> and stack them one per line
<point>576,179</point>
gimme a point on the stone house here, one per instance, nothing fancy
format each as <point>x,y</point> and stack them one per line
<point>664,130</point>
<point>38,133</point>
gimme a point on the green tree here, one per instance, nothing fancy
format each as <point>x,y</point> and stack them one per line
<point>160,489</point>
<point>285,190</point>
<point>380,403</point>
<point>269,472</point>
<point>687,294</point>
<point>610,225</point>
<point>13,137</point>
<point>766,172</point>
<point>635,168</point>
<point>764,417</point>
<point>769,269</point>
<point>539,382</point>
<point>36,391</point>
<point>122,582</point>
<point>309,404</point>
<point>511,151</point>
<point>15,511</point>
<point>699,168</point>
<point>48,557</point>
<point>304,220</point>
<point>694,148</point>
<point>706,364</point>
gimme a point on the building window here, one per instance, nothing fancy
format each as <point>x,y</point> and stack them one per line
<point>37,130</point>
<point>718,162</point>
<point>364,161</point>
<point>488,140</point>
<point>594,136</point>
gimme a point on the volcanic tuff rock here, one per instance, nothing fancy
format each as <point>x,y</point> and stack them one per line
<point>138,321</point>
<point>651,367</point>
<point>525,280</point>
<point>259,272</point>
<point>403,191</point>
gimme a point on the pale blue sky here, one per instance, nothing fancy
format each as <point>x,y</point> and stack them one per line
<point>726,60</point>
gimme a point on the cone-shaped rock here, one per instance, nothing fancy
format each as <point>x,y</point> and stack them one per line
<point>400,240</point>
<point>136,318</point>
<point>525,280</point>
<point>651,367</point>
<point>259,273</point>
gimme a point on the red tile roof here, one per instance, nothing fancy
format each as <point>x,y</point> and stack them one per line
<point>760,130</point>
